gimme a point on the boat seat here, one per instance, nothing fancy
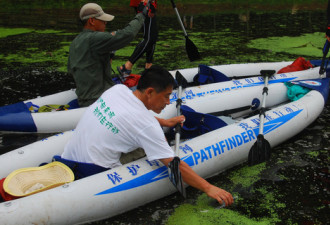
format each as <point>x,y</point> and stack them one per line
<point>74,104</point>
<point>198,123</point>
<point>207,75</point>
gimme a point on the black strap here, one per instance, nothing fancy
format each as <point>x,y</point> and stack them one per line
<point>227,112</point>
<point>263,111</point>
<point>265,90</point>
<point>178,102</point>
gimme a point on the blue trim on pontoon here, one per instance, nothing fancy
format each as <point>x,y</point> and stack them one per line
<point>16,117</point>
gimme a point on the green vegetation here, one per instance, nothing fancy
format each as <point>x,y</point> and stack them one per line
<point>307,44</point>
<point>63,4</point>
<point>33,53</point>
<point>4,32</point>
<point>247,179</point>
<point>222,48</point>
<point>203,213</point>
<point>246,176</point>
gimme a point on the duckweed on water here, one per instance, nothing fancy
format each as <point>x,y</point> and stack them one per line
<point>32,47</point>
<point>246,176</point>
<point>37,55</point>
<point>244,211</point>
<point>5,32</point>
<point>215,48</point>
<point>203,213</point>
<point>305,45</point>
<point>314,154</point>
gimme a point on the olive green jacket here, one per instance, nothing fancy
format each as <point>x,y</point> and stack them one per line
<point>89,59</point>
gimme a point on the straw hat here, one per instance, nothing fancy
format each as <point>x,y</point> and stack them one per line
<point>27,181</point>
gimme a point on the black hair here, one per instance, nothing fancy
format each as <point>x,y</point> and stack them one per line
<point>83,22</point>
<point>156,77</point>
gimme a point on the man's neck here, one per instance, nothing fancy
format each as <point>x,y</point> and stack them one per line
<point>138,94</point>
<point>141,97</point>
<point>89,27</point>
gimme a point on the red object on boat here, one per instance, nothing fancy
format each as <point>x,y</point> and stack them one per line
<point>299,64</point>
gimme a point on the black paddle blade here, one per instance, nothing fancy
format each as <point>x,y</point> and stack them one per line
<point>260,151</point>
<point>325,52</point>
<point>174,175</point>
<point>192,50</point>
<point>181,80</point>
<point>267,72</point>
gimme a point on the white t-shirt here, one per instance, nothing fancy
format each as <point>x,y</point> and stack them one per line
<point>118,122</point>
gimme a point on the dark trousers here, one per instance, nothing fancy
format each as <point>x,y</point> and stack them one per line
<point>80,170</point>
<point>148,44</point>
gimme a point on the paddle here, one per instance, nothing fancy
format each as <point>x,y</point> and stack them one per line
<point>260,151</point>
<point>173,167</point>
<point>191,48</point>
<point>325,52</point>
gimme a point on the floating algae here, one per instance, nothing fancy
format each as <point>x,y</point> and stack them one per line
<point>246,210</point>
<point>203,213</point>
<point>246,176</point>
<point>5,32</point>
<point>304,45</point>
<point>39,47</point>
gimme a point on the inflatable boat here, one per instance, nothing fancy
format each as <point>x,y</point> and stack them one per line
<point>63,112</point>
<point>126,187</point>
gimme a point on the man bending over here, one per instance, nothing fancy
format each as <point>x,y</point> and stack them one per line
<point>120,122</point>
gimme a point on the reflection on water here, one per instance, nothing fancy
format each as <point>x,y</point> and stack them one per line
<point>295,181</point>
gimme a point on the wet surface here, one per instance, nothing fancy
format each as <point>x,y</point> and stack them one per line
<point>291,188</point>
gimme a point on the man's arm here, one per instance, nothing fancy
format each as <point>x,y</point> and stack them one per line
<point>193,179</point>
<point>171,122</point>
<point>104,42</point>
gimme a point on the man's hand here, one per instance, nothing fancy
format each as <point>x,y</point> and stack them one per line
<point>152,11</point>
<point>144,9</point>
<point>193,179</point>
<point>172,121</point>
<point>220,195</point>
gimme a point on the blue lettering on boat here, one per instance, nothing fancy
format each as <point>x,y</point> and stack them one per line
<point>239,140</point>
<point>153,163</point>
<point>222,146</point>
<point>114,177</point>
<point>153,176</point>
<point>133,169</point>
<point>249,82</point>
<point>201,156</point>
<point>186,148</point>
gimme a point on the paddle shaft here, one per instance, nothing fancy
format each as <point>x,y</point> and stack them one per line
<point>191,48</point>
<point>179,18</point>
<point>178,126</point>
<point>261,150</point>
<point>263,105</point>
<point>173,167</point>
<point>325,52</point>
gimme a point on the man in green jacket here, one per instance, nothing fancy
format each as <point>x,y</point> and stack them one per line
<point>90,52</point>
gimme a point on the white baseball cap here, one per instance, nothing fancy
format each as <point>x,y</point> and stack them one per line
<point>93,10</point>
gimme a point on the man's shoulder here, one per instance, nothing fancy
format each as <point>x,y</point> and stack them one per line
<point>120,87</point>
<point>118,90</point>
<point>102,35</point>
<point>94,35</point>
